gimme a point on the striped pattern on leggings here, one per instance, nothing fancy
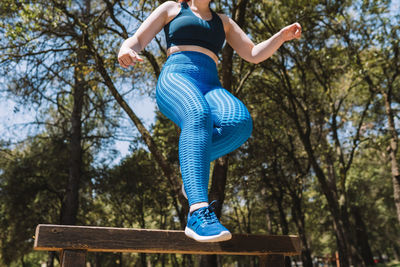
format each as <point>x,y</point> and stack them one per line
<point>213,122</point>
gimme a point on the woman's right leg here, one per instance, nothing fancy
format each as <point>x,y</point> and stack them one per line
<point>181,101</point>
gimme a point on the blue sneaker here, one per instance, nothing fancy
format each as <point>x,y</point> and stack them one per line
<point>204,226</point>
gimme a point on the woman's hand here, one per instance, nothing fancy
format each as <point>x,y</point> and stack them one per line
<point>291,32</point>
<point>128,57</point>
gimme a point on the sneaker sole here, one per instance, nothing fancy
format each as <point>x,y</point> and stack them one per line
<point>223,236</point>
<point>184,192</point>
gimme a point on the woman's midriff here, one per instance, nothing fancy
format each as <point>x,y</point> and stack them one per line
<point>179,48</point>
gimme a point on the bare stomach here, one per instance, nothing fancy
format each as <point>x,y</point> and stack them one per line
<point>196,48</point>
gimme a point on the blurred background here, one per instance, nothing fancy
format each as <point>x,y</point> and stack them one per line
<point>82,141</point>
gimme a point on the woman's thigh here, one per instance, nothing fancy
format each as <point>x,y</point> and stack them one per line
<point>232,122</point>
<point>179,98</point>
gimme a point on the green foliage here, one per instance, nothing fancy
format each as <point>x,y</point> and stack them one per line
<point>32,181</point>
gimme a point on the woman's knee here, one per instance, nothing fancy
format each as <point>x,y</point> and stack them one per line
<point>243,126</point>
<point>241,121</point>
<point>246,126</point>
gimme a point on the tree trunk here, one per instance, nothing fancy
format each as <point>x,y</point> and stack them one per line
<point>282,215</point>
<point>70,204</point>
<point>120,258</point>
<point>98,259</point>
<point>143,259</point>
<point>393,148</point>
<point>341,232</point>
<point>50,259</point>
<point>396,251</point>
<point>298,218</point>
<point>219,176</point>
<point>362,237</point>
<point>209,261</point>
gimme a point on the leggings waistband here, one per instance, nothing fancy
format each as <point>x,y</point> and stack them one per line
<point>193,58</point>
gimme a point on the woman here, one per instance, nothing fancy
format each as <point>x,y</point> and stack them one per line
<point>213,122</point>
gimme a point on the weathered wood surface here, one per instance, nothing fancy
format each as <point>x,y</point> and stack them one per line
<point>108,239</point>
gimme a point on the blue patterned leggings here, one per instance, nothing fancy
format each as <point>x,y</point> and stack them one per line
<point>213,122</point>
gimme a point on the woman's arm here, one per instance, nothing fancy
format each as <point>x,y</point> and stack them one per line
<point>128,53</point>
<point>246,49</point>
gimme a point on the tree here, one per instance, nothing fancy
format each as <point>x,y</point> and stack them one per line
<point>32,181</point>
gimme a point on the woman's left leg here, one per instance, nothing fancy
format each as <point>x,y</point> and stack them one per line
<point>232,122</point>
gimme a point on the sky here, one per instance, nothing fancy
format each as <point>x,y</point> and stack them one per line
<point>12,123</point>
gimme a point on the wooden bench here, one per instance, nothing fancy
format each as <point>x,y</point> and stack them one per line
<point>73,242</point>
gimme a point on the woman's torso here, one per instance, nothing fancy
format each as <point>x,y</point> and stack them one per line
<point>206,17</point>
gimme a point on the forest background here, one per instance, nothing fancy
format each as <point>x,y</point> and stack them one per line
<point>322,162</point>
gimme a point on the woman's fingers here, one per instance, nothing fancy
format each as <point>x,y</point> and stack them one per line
<point>124,62</point>
<point>127,57</point>
<point>134,56</point>
<point>297,32</point>
<point>292,31</point>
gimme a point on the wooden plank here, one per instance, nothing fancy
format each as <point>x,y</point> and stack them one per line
<point>108,239</point>
<point>73,258</point>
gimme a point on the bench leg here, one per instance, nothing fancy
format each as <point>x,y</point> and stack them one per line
<point>73,258</point>
<point>272,260</point>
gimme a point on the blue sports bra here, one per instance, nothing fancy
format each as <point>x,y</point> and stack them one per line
<point>188,29</point>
